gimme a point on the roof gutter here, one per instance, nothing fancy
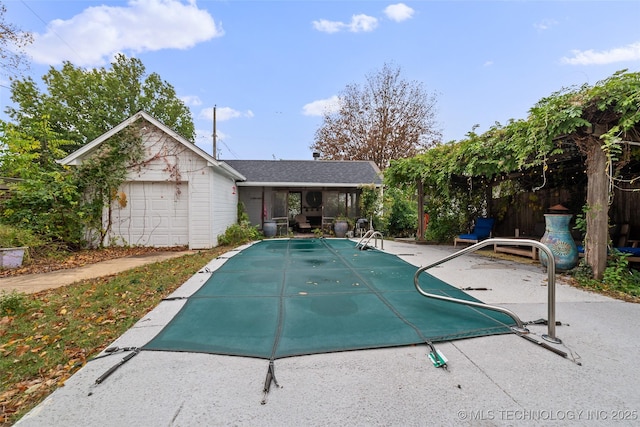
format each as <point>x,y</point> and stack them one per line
<point>304,184</point>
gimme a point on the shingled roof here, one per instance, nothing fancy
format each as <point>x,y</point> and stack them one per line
<point>306,173</point>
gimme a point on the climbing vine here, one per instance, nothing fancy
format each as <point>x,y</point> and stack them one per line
<point>605,116</point>
<point>101,175</point>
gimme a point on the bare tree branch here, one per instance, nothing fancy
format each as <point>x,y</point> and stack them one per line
<point>386,118</point>
<point>12,44</point>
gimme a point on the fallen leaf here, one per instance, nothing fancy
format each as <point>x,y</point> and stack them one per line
<point>33,388</point>
<point>21,349</point>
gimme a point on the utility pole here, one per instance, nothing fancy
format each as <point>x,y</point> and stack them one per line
<point>215,149</point>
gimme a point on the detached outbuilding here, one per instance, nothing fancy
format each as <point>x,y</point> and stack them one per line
<point>319,190</point>
<point>177,196</point>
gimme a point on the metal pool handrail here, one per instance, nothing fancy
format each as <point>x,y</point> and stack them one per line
<point>368,235</point>
<point>551,271</point>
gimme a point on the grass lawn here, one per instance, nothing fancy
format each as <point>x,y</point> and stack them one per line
<point>46,337</point>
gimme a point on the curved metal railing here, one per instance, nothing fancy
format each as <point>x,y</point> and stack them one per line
<point>368,236</point>
<point>551,271</point>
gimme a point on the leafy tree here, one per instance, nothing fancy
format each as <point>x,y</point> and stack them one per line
<point>83,104</point>
<point>386,118</point>
<point>44,199</point>
<point>12,42</point>
<point>23,148</point>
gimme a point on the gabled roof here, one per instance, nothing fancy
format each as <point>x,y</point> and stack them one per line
<point>77,156</point>
<point>307,173</point>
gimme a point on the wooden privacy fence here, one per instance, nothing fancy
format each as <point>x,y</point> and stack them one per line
<point>525,211</point>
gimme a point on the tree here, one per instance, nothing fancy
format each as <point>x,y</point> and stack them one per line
<point>83,104</point>
<point>387,118</point>
<point>12,42</point>
<point>44,197</point>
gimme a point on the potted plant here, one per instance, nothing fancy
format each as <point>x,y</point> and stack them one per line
<point>14,243</point>
<point>341,225</point>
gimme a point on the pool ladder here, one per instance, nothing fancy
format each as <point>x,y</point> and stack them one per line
<point>370,234</point>
<point>520,327</point>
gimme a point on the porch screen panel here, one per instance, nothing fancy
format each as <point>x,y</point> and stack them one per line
<point>335,204</point>
<point>280,204</point>
<point>352,205</point>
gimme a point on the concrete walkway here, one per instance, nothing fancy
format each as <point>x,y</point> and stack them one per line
<point>31,283</point>
<point>497,380</point>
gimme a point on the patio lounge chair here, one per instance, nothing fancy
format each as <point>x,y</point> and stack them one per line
<point>481,231</point>
<point>302,224</point>
<point>633,253</point>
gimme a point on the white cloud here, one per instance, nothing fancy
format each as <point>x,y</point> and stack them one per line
<point>359,23</point>
<point>545,24</point>
<point>328,26</point>
<point>487,63</point>
<point>95,35</point>
<point>362,23</point>
<point>224,114</point>
<point>191,100</point>
<point>322,107</point>
<point>398,12</point>
<point>589,57</point>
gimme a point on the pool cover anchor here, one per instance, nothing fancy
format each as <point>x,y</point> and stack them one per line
<point>134,352</point>
<point>271,378</point>
<point>436,357</point>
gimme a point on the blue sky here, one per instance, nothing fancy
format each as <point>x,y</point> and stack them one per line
<point>272,67</point>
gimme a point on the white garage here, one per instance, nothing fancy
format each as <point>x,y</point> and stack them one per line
<point>177,196</point>
<point>153,214</point>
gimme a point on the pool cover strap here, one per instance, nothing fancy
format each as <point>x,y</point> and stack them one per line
<point>271,378</point>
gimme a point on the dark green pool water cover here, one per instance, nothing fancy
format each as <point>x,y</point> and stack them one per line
<point>281,298</point>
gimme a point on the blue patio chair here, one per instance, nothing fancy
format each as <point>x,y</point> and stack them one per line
<point>481,231</point>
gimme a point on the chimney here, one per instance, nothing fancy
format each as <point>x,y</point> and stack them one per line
<point>316,155</point>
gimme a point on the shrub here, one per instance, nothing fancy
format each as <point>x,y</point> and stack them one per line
<point>401,218</point>
<point>618,278</point>
<point>238,234</point>
<point>47,205</point>
<point>241,232</point>
<point>442,228</point>
<point>11,237</point>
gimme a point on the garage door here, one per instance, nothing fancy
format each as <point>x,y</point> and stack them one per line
<point>151,214</point>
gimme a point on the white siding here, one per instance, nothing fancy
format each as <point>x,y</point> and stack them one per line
<point>203,204</point>
<point>225,204</point>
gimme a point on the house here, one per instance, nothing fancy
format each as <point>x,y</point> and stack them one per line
<point>179,196</point>
<point>318,189</point>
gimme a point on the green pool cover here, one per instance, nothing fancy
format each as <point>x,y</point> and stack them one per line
<point>281,298</point>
